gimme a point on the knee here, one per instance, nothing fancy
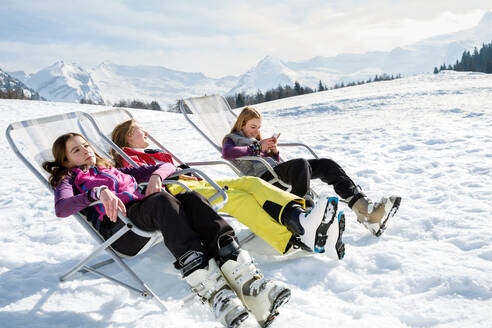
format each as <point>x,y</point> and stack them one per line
<point>329,163</point>
<point>300,163</point>
<point>301,166</point>
<point>162,196</point>
<point>252,181</point>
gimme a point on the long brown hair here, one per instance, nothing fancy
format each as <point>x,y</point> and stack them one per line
<point>119,137</point>
<point>246,114</point>
<point>56,168</point>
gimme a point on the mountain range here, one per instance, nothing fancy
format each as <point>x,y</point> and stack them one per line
<point>110,82</point>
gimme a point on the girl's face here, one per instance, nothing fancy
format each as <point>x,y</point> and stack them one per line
<point>252,128</point>
<point>137,138</point>
<point>79,153</point>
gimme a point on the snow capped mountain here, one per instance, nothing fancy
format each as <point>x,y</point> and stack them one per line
<point>20,75</point>
<point>267,74</point>
<point>147,83</point>
<point>65,82</point>
<point>7,83</point>
<point>482,33</point>
<point>420,57</point>
<point>111,83</point>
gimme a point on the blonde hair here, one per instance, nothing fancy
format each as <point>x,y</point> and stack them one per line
<point>248,113</point>
<point>57,168</point>
<point>119,137</point>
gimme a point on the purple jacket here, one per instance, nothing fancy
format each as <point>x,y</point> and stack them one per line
<point>230,151</point>
<point>76,191</point>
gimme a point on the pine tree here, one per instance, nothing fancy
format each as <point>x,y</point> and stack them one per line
<point>239,100</point>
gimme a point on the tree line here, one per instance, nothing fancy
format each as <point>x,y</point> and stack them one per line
<point>242,99</point>
<point>12,94</point>
<point>139,104</point>
<point>478,61</point>
<point>18,93</point>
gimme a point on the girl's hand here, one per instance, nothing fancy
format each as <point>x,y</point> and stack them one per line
<point>266,144</point>
<point>154,185</point>
<point>111,204</point>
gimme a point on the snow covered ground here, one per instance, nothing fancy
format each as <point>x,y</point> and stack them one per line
<point>427,138</point>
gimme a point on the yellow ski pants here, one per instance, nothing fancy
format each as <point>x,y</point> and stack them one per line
<point>247,197</point>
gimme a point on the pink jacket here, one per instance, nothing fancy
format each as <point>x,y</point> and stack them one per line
<point>76,191</point>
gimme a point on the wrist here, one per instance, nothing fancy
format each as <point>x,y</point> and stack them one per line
<point>98,190</point>
<point>158,176</point>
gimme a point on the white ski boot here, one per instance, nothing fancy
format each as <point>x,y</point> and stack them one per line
<point>374,215</point>
<point>312,221</point>
<point>211,286</point>
<point>262,297</point>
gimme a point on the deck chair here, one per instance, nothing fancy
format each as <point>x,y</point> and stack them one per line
<point>98,126</point>
<point>31,141</point>
<point>213,118</point>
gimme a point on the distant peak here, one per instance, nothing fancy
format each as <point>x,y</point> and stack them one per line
<point>106,63</point>
<point>58,63</point>
<point>486,19</point>
<point>270,59</point>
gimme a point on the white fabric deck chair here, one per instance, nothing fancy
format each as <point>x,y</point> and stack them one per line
<point>31,140</point>
<point>98,126</point>
<point>213,119</point>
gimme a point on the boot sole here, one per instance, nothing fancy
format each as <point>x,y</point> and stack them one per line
<point>391,213</point>
<point>321,232</point>
<point>281,299</point>
<point>239,320</point>
<point>336,248</point>
<point>340,246</point>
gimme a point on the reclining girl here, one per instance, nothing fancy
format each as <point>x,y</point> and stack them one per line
<point>274,215</point>
<point>204,245</point>
<point>245,140</point>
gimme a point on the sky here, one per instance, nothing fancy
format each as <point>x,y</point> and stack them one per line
<point>217,38</point>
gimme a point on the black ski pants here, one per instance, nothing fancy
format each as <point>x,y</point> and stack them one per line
<point>298,173</point>
<point>186,221</point>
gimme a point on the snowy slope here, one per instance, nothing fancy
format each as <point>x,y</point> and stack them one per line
<point>148,83</point>
<point>426,138</point>
<point>64,82</point>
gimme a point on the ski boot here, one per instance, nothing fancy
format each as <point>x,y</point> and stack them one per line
<point>374,215</point>
<point>212,288</point>
<point>261,296</point>
<point>304,225</point>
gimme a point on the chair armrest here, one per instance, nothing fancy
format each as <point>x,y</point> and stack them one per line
<point>128,222</point>
<point>267,166</point>
<point>298,144</point>
<point>232,167</point>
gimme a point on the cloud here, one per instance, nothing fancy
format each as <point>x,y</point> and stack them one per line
<point>217,37</point>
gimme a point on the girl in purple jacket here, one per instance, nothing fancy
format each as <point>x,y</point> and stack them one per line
<point>245,140</point>
<point>203,244</point>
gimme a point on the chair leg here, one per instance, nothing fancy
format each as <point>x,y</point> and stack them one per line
<point>96,266</point>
